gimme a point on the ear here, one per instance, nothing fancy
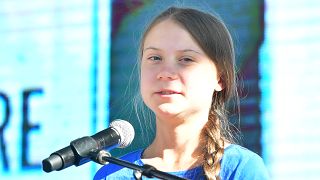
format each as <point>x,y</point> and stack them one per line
<point>220,85</point>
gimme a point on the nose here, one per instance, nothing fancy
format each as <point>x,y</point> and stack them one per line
<point>167,74</point>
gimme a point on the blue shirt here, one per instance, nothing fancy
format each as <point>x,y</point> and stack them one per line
<point>237,163</point>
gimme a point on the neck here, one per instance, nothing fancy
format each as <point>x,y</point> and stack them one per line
<point>176,146</point>
<point>178,137</point>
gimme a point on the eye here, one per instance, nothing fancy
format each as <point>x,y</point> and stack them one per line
<point>186,60</point>
<point>155,58</point>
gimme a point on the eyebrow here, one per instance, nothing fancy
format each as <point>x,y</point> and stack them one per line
<point>151,48</point>
<point>188,50</point>
<point>184,50</point>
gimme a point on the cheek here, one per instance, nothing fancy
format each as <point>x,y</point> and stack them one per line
<point>203,88</point>
<point>146,75</point>
<point>145,83</point>
<point>201,85</point>
<point>202,77</point>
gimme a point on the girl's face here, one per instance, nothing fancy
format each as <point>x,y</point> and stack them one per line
<point>177,78</point>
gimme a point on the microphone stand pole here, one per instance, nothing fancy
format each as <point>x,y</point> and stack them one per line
<point>103,157</point>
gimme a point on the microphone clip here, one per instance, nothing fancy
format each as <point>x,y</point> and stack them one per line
<point>100,156</point>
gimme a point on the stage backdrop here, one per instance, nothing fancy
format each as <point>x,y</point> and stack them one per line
<point>53,82</point>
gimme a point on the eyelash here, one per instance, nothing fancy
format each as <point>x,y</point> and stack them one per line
<point>158,58</point>
<point>185,59</point>
<point>153,58</point>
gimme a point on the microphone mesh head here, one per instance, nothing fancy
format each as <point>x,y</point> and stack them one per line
<point>125,130</point>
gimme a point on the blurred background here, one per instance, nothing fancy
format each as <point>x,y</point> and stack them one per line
<point>67,68</point>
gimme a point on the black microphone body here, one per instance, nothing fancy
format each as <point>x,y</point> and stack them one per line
<point>81,150</point>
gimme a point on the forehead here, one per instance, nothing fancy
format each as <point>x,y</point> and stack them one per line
<point>168,34</point>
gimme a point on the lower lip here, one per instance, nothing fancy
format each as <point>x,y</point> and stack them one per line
<point>167,95</point>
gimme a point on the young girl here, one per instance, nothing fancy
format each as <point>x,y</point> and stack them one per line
<point>187,77</point>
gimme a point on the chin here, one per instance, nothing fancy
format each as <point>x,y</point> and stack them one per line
<point>167,112</point>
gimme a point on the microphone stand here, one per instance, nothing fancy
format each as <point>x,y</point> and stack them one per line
<point>104,157</point>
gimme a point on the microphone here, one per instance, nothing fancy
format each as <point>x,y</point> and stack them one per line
<point>119,134</point>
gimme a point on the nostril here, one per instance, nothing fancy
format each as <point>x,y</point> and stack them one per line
<point>167,75</point>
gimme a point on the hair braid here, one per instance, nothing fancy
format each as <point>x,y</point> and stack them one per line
<point>214,135</point>
<point>214,147</point>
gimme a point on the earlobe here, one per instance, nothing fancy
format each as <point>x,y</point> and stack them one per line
<point>220,85</point>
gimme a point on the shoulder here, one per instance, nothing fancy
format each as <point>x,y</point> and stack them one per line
<point>239,153</point>
<point>106,170</point>
<point>241,163</point>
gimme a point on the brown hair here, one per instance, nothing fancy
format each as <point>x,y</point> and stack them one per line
<point>215,40</point>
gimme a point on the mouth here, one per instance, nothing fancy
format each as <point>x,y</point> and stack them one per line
<point>167,92</point>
